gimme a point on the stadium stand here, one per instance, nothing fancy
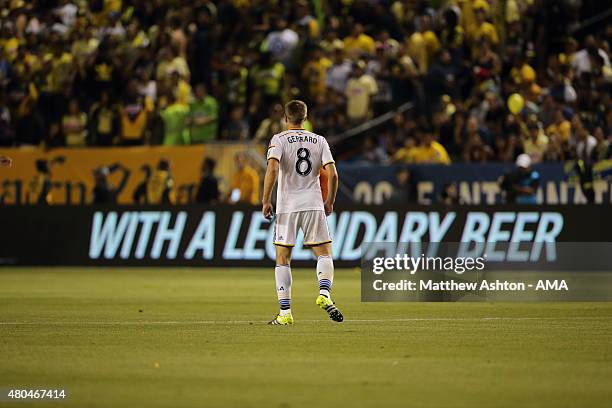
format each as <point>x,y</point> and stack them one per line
<point>113,72</point>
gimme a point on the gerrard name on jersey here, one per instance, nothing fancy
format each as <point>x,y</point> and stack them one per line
<point>302,139</point>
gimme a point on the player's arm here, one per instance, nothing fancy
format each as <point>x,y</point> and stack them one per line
<point>273,155</point>
<point>329,165</point>
<point>332,187</point>
<point>269,181</point>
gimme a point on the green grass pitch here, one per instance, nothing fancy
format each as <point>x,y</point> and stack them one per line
<point>118,337</point>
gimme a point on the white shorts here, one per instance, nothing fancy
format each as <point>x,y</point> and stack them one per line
<point>312,222</point>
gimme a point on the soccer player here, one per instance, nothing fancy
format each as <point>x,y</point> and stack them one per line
<point>296,158</point>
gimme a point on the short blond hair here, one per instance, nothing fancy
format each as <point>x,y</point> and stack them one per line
<point>296,111</point>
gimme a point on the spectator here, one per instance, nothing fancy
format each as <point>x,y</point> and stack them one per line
<point>452,34</point>
<point>603,150</point>
<point>403,189</point>
<point>509,148</point>
<point>268,78</point>
<point>520,186</point>
<point>178,39</point>
<point>235,82</point>
<point>175,123</point>
<point>494,114</point>
<point>442,77</point>
<point>208,189</point>
<point>535,142</point>
<point>6,130</point>
<point>314,73</point>
<point>67,12</point>
<point>74,125</point>
<point>169,63</point>
<point>487,67</point>
<point>237,127</point>
<point>133,117</point>
<point>585,154</point>
<point>359,91</point>
<point>339,72</point>
<point>476,150</point>
<point>562,89</point>
<point>423,44</point>
<point>475,138</point>
<point>160,186</point>
<point>103,125</point>
<point>585,142</point>
<point>358,42</point>
<point>561,127</point>
<point>372,153</point>
<point>406,154</point>
<point>429,151</point>
<point>29,126</point>
<point>244,184</point>
<point>591,58</point>
<point>306,22</point>
<point>203,48</point>
<point>273,124</point>
<point>554,150</point>
<point>147,88</point>
<point>281,42</point>
<point>480,29</point>
<point>181,89</point>
<point>203,115</point>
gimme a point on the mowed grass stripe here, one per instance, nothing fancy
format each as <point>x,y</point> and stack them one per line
<point>348,321</point>
<point>120,337</point>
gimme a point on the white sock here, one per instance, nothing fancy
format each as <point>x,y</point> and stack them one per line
<point>325,274</point>
<point>282,274</point>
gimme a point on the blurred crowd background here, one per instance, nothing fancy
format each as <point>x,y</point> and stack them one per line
<point>484,80</point>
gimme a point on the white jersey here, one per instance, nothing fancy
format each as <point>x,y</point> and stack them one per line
<point>301,155</point>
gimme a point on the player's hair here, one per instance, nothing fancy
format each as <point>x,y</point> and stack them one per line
<point>296,112</point>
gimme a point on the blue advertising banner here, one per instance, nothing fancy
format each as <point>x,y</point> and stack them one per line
<point>475,183</point>
<point>237,236</point>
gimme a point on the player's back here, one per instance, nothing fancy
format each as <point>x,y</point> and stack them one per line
<point>301,155</point>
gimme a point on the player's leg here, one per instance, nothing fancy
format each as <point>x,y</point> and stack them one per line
<point>284,239</point>
<point>325,274</point>
<point>317,237</point>
<point>282,275</point>
<point>325,268</point>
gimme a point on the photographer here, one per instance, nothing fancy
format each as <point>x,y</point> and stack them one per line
<point>208,189</point>
<point>39,190</point>
<point>103,191</point>
<point>521,184</point>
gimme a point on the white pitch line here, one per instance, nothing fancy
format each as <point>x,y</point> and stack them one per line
<point>221,322</point>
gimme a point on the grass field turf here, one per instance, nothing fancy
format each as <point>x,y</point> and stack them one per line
<point>197,338</point>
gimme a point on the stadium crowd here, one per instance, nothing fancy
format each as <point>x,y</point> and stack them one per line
<point>487,80</point>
